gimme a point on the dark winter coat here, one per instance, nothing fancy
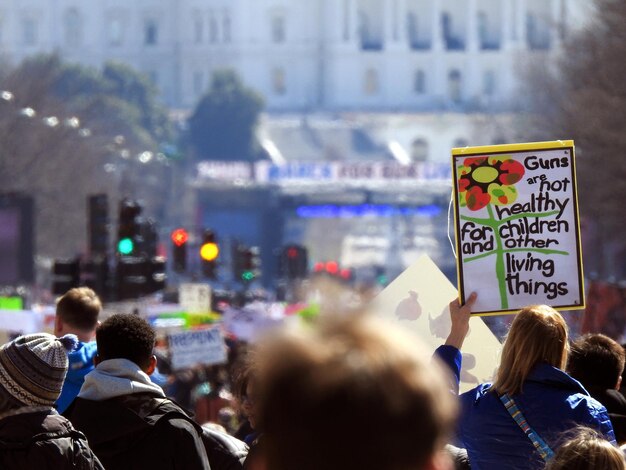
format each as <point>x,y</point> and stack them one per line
<point>43,440</point>
<point>140,431</point>
<point>225,452</point>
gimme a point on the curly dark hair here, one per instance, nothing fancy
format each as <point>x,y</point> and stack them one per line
<point>125,336</point>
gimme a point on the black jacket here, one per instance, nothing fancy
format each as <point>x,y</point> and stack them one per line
<point>616,406</point>
<point>140,431</point>
<point>43,440</point>
<point>225,452</point>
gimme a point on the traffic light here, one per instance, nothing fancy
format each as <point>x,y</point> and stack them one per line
<point>155,275</point>
<point>129,235</point>
<point>150,238</point>
<point>95,274</point>
<point>209,252</point>
<point>294,262</point>
<point>333,269</point>
<point>132,277</point>
<point>179,249</point>
<point>247,263</point>
<point>66,275</point>
<point>98,225</point>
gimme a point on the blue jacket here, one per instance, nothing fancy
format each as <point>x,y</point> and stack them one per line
<point>551,401</point>
<point>80,364</point>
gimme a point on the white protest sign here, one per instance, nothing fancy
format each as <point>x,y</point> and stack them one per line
<point>195,298</point>
<point>193,347</point>
<point>418,300</point>
<point>517,229</point>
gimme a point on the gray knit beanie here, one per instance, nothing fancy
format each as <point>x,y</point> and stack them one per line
<point>33,368</point>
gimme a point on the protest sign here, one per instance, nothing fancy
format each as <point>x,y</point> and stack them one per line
<point>418,300</point>
<point>203,346</point>
<point>516,226</point>
<point>195,298</point>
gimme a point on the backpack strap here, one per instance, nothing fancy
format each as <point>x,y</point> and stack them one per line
<point>541,446</point>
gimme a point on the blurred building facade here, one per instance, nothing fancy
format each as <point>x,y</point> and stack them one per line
<point>365,55</point>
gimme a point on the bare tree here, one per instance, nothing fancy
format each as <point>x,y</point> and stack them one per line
<point>583,97</point>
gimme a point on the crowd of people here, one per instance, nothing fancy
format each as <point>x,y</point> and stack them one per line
<point>348,392</point>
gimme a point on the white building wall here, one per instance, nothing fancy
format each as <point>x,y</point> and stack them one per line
<point>334,54</point>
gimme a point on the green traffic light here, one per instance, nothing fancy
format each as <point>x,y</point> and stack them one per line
<point>247,275</point>
<point>125,246</point>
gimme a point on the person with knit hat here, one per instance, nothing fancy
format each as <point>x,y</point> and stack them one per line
<point>32,433</point>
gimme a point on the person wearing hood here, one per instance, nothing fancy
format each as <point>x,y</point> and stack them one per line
<point>126,417</point>
<point>77,313</point>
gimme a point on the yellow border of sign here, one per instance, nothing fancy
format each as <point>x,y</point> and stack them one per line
<point>506,148</point>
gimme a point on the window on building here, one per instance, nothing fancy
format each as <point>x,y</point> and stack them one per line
<point>489,83</point>
<point>537,31</point>
<point>369,40</point>
<point>278,28</point>
<point>454,86</point>
<point>279,85</point>
<point>115,32</point>
<point>487,38</point>
<point>150,32</point>
<point>198,29</point>
<point>213,29</point>
<point>370,86</point>
<point>371,24</point>
<point>73,33</point>
<point>29,31</point>
<point>419,150</point>
<point>452,40</point>
<point>198,82</point>
<point>419,82</point>
<point>226,27</point>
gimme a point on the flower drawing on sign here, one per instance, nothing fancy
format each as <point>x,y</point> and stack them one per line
<point>488,180</point>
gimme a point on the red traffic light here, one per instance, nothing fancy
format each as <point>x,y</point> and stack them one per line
<point>292,252</point>
<point>180,236</point>
<point>332,267</point>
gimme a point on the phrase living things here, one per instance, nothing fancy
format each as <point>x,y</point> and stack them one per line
<point>525,232</point>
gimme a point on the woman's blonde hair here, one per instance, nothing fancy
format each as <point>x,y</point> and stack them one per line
<point>538,334</point>
<point>585,450</point>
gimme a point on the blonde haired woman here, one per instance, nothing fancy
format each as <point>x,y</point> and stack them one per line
<point>518,421</point>
<point>587,450</point>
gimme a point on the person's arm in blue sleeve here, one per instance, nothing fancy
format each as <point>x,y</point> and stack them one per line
<point>450,352</point>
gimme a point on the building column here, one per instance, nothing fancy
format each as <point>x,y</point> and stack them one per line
<point>556,22</point>
<point>353,21</point>
<point>436,39</point>
<point>401,21</point>
<point>471,37</point>
<point>389,22</point>
<point>506,25</point>
<point>520,24</point>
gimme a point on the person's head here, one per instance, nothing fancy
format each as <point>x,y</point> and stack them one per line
<point>77,312</point>
<point>32,370</point>
<point>126,336</point>
<point>245,387</point>
<point>538,334</point>
<point>596,361</point>
<point>352,393</point>
<point>587,450</point>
